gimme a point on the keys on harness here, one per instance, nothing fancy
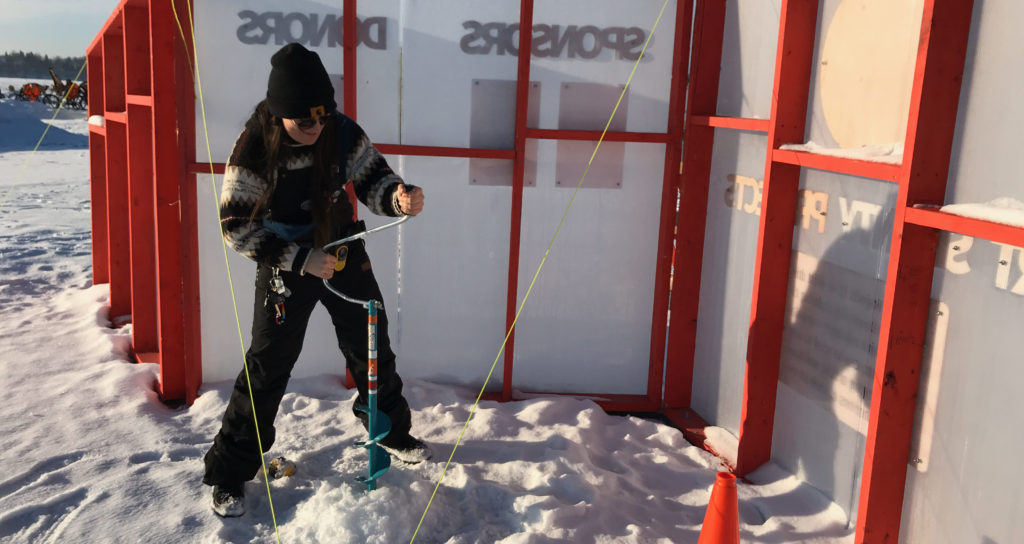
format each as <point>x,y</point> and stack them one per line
<point>277,284</point>
<point>276,296</point>
<point>341,252</point>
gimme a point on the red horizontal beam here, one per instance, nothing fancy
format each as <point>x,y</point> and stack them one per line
<point>96,129</point>
<point>842,165</point>
<point>204,168</point>
<point>978,228</point>
<point>115,117</point>
<point>395,149</point>
<point>139,99</point>
<point>736,123</point>
<point>595,135</point>
<point>147,357</point>
<point>433,151</point>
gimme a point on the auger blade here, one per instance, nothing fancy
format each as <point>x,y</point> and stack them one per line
<point>380,426</point>
<point>380,461</point>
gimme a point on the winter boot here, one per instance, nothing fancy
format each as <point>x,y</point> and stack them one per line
<point>229,500</point>
<point>406,448</point>
<point>280,468</point>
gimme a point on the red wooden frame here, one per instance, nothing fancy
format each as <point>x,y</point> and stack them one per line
<point>934,99</point>
<point>932,218</point>
<point>922,184</point>
<point>709,26</point>
<point>141,190</point>
<point>97,168</point>
<point>852,167</point>
<point>798,22</point>
<point>738,123</point>
<point>157,74</point>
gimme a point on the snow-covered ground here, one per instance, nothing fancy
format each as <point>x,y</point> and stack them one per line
<point>89,454</point>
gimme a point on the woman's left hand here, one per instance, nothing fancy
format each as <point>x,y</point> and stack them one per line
<point>410,199</point>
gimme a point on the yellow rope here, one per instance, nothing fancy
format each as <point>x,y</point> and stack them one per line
<point>227,264</point>
<point>539,267</point>
<point>24,165</point>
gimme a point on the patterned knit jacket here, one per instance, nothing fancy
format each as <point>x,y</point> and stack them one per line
<point>275,237</point>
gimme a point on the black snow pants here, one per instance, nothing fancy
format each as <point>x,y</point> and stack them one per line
<point>234,456</point>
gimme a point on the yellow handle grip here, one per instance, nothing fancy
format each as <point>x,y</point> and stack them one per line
<point>341,252</point>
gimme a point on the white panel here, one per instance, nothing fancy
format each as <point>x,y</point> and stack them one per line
<point>748,58</point>
<point>599,41</point>
<point>445,48</point>
<point>235,40</point>
<point>969,492</point>
<point>448,318</point>
<point>986,161</point>
<point>727,276</point>
<point>587,324</point>
<point>378,66</point>
<point>836,288</point>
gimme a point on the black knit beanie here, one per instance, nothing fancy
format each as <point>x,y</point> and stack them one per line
<point>299,86</point>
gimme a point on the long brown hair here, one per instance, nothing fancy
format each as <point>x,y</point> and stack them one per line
<point>276,152</point>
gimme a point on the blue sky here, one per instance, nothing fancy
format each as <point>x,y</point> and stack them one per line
<point>52,27</point>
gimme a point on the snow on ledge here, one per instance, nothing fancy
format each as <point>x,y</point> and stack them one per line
<point>722,443</point>
<point>886,153</point>
<point>1004,210</point>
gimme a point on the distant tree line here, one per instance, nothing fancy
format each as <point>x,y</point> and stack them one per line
<point>21,64</point>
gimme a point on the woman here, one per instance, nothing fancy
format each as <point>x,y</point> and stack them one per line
<point>283,198</point>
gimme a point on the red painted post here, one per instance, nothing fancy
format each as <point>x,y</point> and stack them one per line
<point>709,21</point>
<point>97,166</point>
<point>176,381</point>
<point>184,55</point>
<point>670,181</point>
<point>350,41</point>
<point>117,228</point>
<point>518,173</point>
<point>142,235</point>
<point>793,57</point>
<point>350,46</point>
<point>933,108</point>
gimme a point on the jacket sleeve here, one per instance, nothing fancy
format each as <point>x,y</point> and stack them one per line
<point>373,180</point>
<point>240,193</point>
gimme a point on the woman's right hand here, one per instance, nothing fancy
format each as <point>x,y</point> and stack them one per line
<point>320,264</point>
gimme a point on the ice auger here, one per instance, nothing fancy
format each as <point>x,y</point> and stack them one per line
<point>378,424</point>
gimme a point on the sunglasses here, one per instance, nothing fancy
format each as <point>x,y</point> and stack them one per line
<point>309,122</point>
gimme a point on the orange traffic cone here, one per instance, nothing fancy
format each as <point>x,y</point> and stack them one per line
<point>721,521</point>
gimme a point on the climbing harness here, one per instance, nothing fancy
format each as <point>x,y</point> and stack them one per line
<point>378,424</point>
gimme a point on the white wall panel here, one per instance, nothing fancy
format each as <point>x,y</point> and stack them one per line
<point>587,324</point>
<point>748,58</point>
<point>727,275</point>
